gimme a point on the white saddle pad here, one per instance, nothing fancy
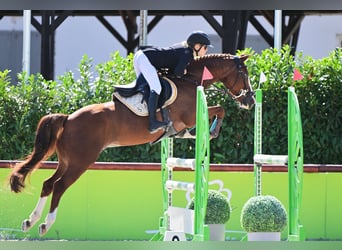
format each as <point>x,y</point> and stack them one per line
<point>136,104</point>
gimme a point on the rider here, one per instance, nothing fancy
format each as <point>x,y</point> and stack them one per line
<point>174,58</point>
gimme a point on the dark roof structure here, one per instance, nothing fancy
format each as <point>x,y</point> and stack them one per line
<point>232,30</point>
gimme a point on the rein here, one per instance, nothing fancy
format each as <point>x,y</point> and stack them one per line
<point>226,91</point>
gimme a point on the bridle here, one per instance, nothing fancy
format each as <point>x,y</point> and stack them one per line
<point>245,92</point>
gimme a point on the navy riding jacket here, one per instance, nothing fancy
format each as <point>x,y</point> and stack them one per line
<point>174,58</point>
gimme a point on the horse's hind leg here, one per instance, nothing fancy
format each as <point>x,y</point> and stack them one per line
<point>60,186</point>
<point>46,191</point>
<point>35,215</point>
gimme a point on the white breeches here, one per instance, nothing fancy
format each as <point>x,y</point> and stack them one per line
<point>143,66</point>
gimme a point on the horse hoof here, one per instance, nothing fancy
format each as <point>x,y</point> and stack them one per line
<point>26,225</point>
<point>213,136</point>
<point>42,229</point>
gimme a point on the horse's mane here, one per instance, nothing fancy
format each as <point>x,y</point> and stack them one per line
<point>199,61</point>
<point>213,56</point>
<point>215,63</point>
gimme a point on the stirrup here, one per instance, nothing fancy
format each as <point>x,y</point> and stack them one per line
<point>157,126</point>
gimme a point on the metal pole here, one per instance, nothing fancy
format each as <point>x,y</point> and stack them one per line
<point>26,41</point>
<point>143,28</point>
<point>277,29</point>
<point>258,141</point>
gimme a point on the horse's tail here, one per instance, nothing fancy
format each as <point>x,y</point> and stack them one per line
<point>48,131</point>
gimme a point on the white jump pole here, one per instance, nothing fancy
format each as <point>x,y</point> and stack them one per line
<point>26,41</point>
<point>143,28</point>
<point>277,29</point>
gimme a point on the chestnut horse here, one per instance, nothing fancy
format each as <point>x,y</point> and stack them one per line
<point>80,137</point>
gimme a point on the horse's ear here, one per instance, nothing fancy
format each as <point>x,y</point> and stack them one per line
<point>244,57</point>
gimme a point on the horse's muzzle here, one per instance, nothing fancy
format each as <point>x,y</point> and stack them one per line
<point>248,101</point>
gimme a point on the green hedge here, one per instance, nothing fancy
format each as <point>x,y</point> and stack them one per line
<point>319,92</point>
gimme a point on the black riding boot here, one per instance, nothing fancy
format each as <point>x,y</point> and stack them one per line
<point>154,125</point>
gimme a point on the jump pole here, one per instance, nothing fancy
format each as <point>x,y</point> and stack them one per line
<point>192,220</point>
<point>294,160</point>
<point>257,140</point>
<point>295,167</point>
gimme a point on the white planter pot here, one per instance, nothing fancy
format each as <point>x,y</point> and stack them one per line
<point>217,232</point>
<point>264,236</point>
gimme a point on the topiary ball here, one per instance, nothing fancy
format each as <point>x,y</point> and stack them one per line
<point>263,214</point>
<point>218,208</point>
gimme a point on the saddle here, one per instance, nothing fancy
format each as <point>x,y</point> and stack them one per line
<point>136,94</point>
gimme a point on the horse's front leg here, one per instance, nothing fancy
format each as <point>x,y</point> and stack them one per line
<point>216,112</point>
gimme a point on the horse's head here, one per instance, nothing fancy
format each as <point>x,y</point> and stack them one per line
<point>240,88</point>
<point>231,71</point>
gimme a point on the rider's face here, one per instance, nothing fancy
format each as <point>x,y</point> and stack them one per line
<point>201,48</point>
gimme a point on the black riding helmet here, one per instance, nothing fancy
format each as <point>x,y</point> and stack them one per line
<point>198,37</point>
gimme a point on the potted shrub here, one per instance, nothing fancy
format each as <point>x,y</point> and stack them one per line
<point>263,217</point>
<point>217,214</point>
